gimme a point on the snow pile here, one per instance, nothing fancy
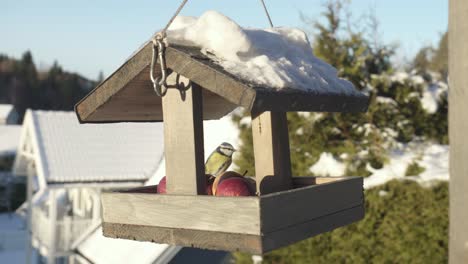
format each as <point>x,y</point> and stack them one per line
<point>431,95</point>
<point>275,57</point>
<point>432,157</point>
<point>327,165</point>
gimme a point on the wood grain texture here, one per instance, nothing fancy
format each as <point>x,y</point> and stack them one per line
<point>223,214</point>
<point>99,96</point>
<point>183,138</point>
<point>271,151</point>
<point>280,210</point>
<point>458,129</point>
<point>301,231</point>
<point>253,244</point>
<point>186,237</point>
<point>127,95</point>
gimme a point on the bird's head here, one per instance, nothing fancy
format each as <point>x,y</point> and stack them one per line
<point>226,149</point>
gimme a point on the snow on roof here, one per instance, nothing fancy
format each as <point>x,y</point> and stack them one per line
<point>73,152</point>
<point>9,139</point>
<point>276,57</point>
<point>5,110</point>
<point>100,249</point>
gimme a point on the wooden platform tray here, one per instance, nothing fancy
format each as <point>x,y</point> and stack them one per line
<point>256,224</point>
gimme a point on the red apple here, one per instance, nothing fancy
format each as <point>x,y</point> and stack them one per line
<point>209,189</point>
<point>209,183</point>
<point>235,186</point>
<point>222,177</point>
<point>162,185</point>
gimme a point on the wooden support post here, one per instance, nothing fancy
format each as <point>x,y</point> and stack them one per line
<point>458,129</point>
<point>271,151</point>
<point>183,138</point>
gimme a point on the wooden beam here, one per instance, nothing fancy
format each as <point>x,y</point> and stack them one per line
<point>202,212</point>
<point>285,209</point>
<point>183,138</point>
<point>458,129</point>
<point>271,151</point>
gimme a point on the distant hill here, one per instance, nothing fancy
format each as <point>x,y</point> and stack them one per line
<point>22,85</point>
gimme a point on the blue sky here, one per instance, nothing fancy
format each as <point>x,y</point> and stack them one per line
<point>88,36</point>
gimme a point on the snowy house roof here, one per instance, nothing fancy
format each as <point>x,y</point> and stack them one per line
<point>216,66</point>
<point>9,139</point>
<point>67,152</point>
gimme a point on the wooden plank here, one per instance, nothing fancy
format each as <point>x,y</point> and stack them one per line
<point>271,151</point>
<point>190,62</point>
<point>137,101</point>
<point>185,237</point>
<point>223,214</point>
<point>279,210</point>
<point>183,138</point>
<point>114,83</point>
<point>293,100</point>
<point>458,129</point>
<point>311,180</point>
<point>296,233</point>
<point>254,244</point>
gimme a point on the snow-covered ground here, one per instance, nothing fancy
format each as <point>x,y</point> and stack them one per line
<point>431,93</point>
<point>433,158</point>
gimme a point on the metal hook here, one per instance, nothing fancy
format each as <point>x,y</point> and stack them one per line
<point>159,84</point>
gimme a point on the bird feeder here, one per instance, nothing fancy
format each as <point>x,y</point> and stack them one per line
<point>286,209</point>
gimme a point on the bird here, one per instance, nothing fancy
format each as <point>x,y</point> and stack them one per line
<point>220,159</point>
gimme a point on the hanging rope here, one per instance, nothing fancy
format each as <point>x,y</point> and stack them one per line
<point>163,32</point>
<point>266,12</point>
<point>159,84</point>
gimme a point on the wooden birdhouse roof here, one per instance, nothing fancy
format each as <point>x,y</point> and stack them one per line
<point>128,95</point>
